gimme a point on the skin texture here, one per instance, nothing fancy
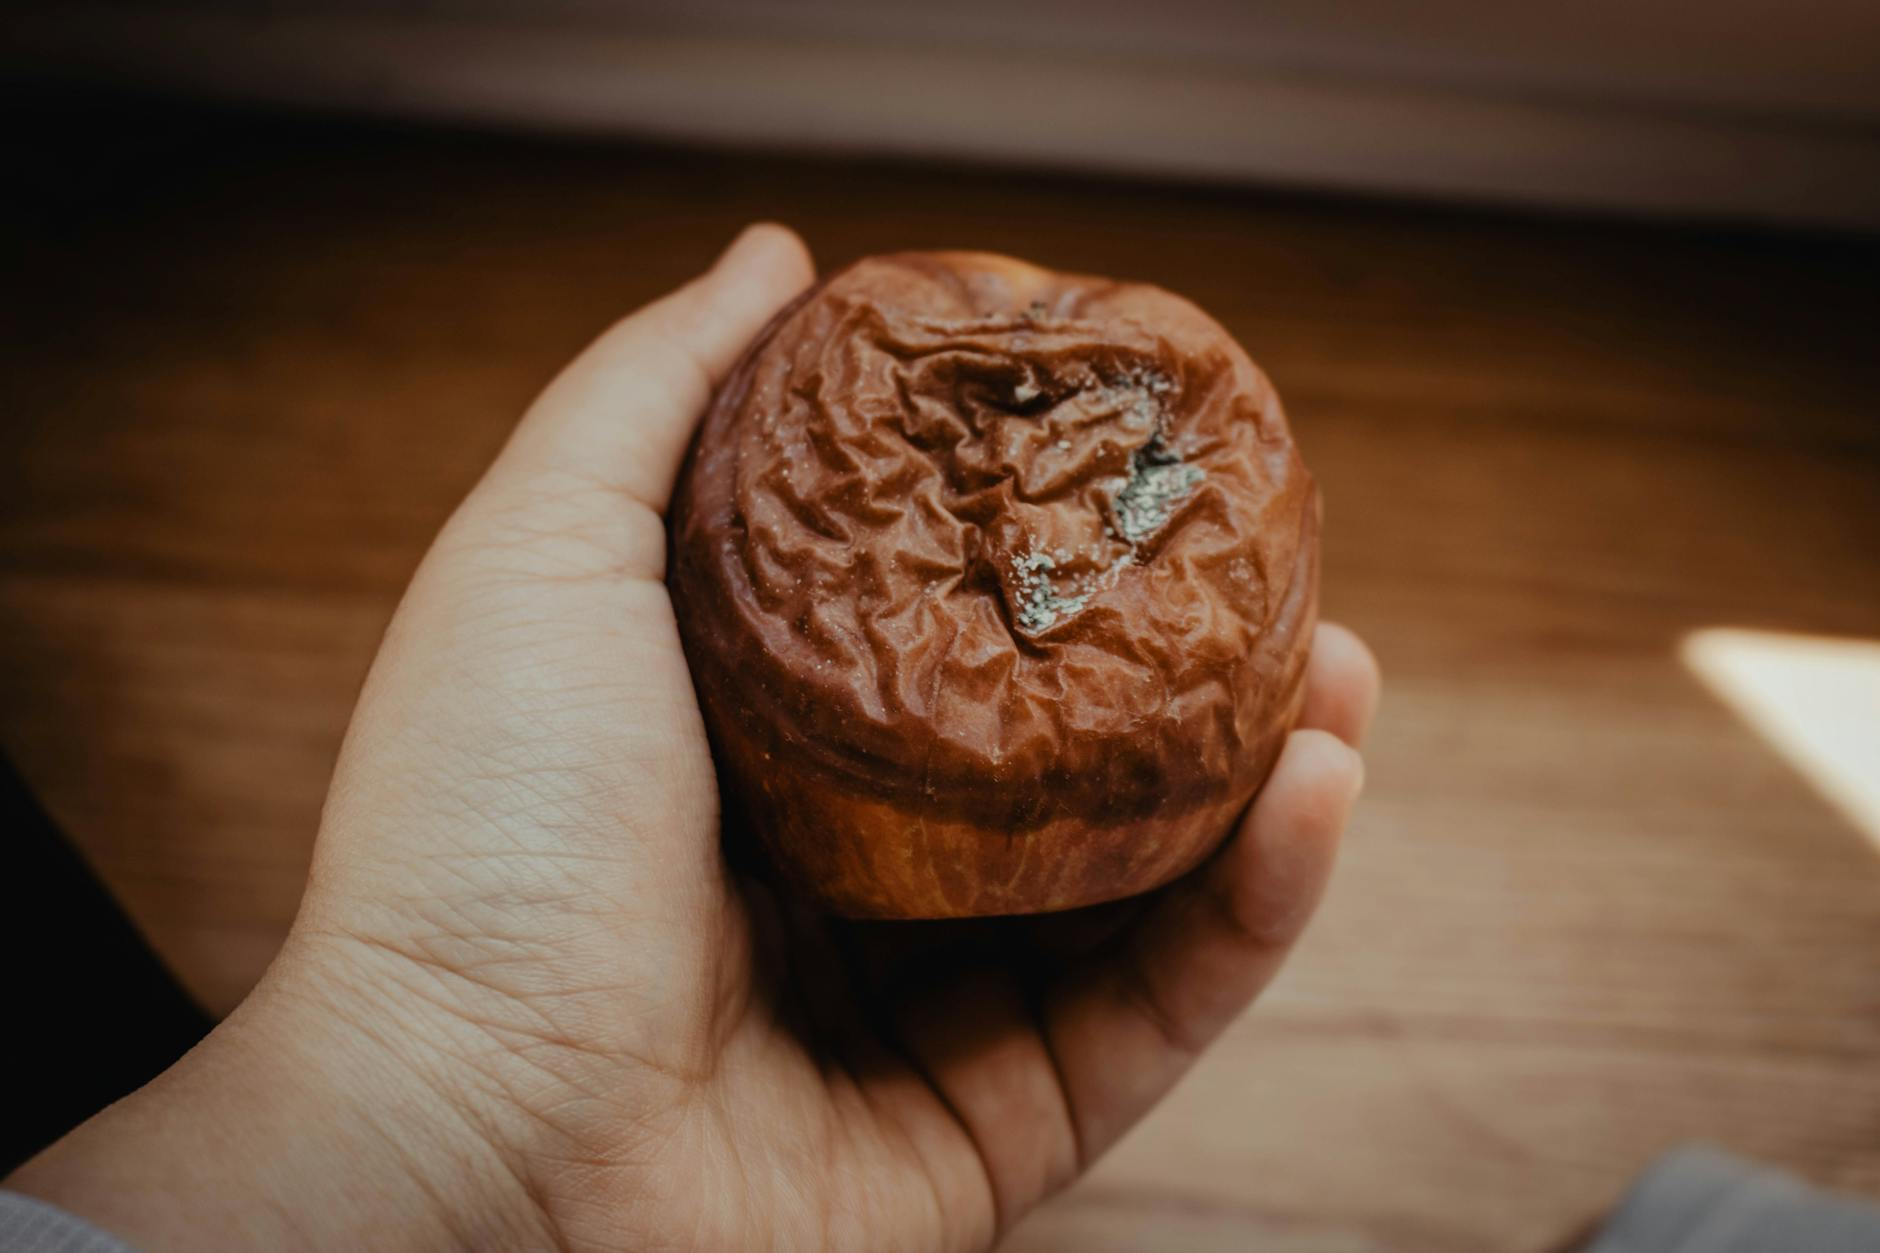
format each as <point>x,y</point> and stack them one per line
<point>527,1003</point>
<point>997,586</point>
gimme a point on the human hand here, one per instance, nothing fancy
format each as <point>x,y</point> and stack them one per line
<point>526,1002</point>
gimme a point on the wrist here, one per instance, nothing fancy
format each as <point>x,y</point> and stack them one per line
<point>290,1128</point>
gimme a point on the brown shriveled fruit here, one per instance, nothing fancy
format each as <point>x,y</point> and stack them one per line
<point>996,584</point>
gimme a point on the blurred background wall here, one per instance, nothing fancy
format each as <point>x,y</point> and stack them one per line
<point>1764,110</point>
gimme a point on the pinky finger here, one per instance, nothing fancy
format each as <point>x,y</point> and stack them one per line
<point>1123,1030</point>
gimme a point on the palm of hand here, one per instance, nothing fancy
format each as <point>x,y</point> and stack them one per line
<point>521,864</point>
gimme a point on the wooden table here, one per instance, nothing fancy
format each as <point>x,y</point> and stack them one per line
<point>1586,912</point>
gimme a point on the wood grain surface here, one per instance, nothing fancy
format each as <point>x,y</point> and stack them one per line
<point>1585,913</point>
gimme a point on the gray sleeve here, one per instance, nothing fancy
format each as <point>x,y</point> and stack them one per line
<point>30,1226</point>
<point>1698,1200</point>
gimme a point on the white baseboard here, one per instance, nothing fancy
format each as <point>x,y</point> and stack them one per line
<point>1080,110</point>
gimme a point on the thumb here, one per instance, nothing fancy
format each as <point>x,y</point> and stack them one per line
<point>624,410</point>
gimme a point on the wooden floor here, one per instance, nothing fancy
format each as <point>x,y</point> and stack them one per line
<point>1586,912</point>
